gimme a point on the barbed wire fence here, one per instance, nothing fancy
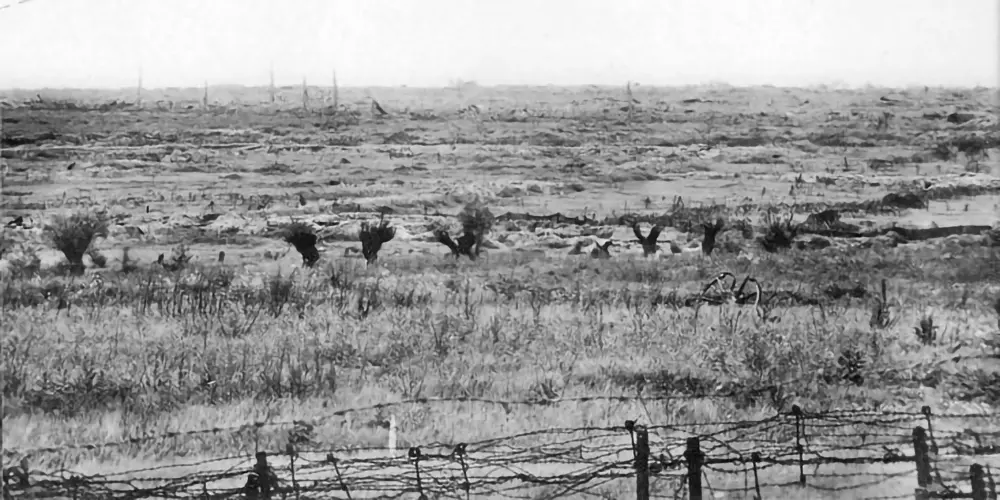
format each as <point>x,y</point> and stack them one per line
<point>938,456</point>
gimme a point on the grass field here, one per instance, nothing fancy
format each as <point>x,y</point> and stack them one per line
<point>148,348</point>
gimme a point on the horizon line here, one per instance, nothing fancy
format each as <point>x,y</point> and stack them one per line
<point>472,84</point>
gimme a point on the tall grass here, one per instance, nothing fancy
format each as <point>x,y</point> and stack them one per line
<point>152,341</point>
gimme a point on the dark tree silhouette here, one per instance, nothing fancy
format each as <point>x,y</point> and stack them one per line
<point>602,251</point>
<point>648,242</point>
<point>477,221</point>
<point>711,231</point>
<point>466,244</point>
<point>372,238</point>
<point>302,237</point>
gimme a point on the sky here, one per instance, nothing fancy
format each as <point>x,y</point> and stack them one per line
<point>431,43</point>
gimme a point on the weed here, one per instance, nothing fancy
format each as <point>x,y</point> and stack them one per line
<point>778,233</point>
<point>881,315</point>
<point>926,331</point>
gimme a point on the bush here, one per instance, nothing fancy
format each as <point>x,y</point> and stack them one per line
<point>304,239</point>
<point>372,237</point>
<point>73,234</point>
<point>778,233</point>
<point>477,220</point>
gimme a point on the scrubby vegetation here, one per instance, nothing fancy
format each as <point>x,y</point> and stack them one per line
<point>73,234</point>
<point>154,341</point>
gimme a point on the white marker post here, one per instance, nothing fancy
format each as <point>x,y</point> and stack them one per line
<point>392,436</point>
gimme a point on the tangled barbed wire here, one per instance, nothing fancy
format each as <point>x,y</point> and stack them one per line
<point>843,450</point>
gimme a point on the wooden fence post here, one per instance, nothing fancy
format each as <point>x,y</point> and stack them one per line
<point>694,458</point>
<point>978,478</point>
<point>305,95</point>
<point>415,456</point>
<point>340,477</point>
<point>641,463</point>
<point>74,487</point>
<point>932,446</point>
<point>336,94</point>
<point>755,458</point>
<point>264,475</point>
<point>991,485</point>
<point>922,458</point>
<point>290,451</point>
<point>628,95</point>
<point>799,430</point>
<point>19,476</point>
<point>270,87</point>
<point>459,453</point>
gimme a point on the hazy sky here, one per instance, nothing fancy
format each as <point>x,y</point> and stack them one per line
<point>103,43</point>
